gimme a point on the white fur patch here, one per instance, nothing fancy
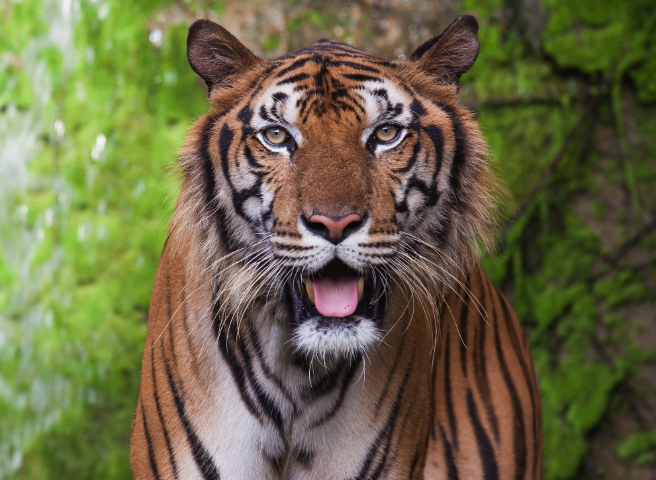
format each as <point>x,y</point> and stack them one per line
<point>315,338</point>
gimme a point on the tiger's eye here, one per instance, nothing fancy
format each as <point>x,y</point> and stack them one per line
<point>386,133</point>
<point>276,135</point>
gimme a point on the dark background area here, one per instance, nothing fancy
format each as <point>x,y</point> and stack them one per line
<point>96,97</point>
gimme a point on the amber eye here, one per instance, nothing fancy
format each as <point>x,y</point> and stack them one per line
<point>386,133</point>
<point>276,135</point>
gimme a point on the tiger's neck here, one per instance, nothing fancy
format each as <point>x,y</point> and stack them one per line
<point>289,416</point>
<point>313,412</point>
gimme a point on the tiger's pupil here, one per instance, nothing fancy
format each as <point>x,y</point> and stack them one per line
<point>275,135</point>
<point>387,133</point>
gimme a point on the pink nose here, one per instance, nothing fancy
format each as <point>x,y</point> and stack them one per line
<point>334,229</point>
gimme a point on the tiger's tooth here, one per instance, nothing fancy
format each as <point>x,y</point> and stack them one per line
<point>360,288</point>
<point>309,290</point>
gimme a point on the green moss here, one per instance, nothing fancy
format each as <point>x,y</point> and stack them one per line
<point>639,448</point>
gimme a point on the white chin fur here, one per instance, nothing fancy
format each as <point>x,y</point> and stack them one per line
<point>348,340</point>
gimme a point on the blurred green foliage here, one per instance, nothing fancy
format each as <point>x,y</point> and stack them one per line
<point>640,447</point>
<point>94,104</point>
<point>101,195</point>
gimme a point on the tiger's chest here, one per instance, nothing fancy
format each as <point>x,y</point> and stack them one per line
<point>344,421</point>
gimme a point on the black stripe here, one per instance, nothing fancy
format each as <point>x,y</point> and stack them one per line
<point>348,98</point>
<point>268,406</point>
<point>212,206</point>
<point>228,241</point>
<point>519,429</point>
<point>430,192</point>
<point>264,115</point>
<point>379,244</point>
<point>360,77</point>
<point>415,463</point>
<point>417,109</point>
<point>240,362</point>
<point>259,353</point>
<point>201,456</point>
<point>239,197</point>
<point>345,106</point>
<point>333,48</point>
<point>302,103</point>
<point>300,63</point>
<point>485,450</point>
<point>303,456</point>
<point>266,403</point>
<point>256,85</point>
<point>320,77</point>
<point>167,302</point>
<point>459,155</point>
<point>208,166</point>
<point>326,384</point>
<point>394,111</point>
<point>451,468</point>
<point>388,381</point>
<point>518,353</point>
<point>462,327</point>
<point>437,138</point>
<point>430,195</point>
<point>482,378</point>
<point>314,106</point>
<point>379,256</point>
<point>411,162</point>
<point>227,349</point>
<point>346,383</point>
<point>268,214</point>
<point>354,66</point>
<point>279,97</point>
<point>293,248</point>
<point>366,57</point>
<point>386,433</point>
<point>149,442</point>
<point>449,394</point>
<point>382,93</point>
<point>294,78</point>
<point>253,163</point>
<point>161,416</point>
<point>245,115</point>
<point>441,231</point>
<point>340,46</point>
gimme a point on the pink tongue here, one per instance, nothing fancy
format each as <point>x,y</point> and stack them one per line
<point>335,297</point>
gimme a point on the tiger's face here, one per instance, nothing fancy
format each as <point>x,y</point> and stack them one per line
<point>334,180</point>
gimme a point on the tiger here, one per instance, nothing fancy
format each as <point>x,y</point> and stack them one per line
<point>319,310</point>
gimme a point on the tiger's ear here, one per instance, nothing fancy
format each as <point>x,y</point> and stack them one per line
<point>215,54</point>
<point>452,52</point>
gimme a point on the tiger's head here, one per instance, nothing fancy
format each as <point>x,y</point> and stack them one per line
<point>334,183</point>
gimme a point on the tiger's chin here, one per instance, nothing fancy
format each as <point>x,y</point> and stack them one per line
<point>337,312</point>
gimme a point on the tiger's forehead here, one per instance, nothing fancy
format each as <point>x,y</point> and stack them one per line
<point>330,79</point>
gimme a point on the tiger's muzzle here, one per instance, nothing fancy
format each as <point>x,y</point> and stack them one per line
<point>337,311</point>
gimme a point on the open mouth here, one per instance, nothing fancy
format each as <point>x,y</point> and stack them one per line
<point>339,295</point>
